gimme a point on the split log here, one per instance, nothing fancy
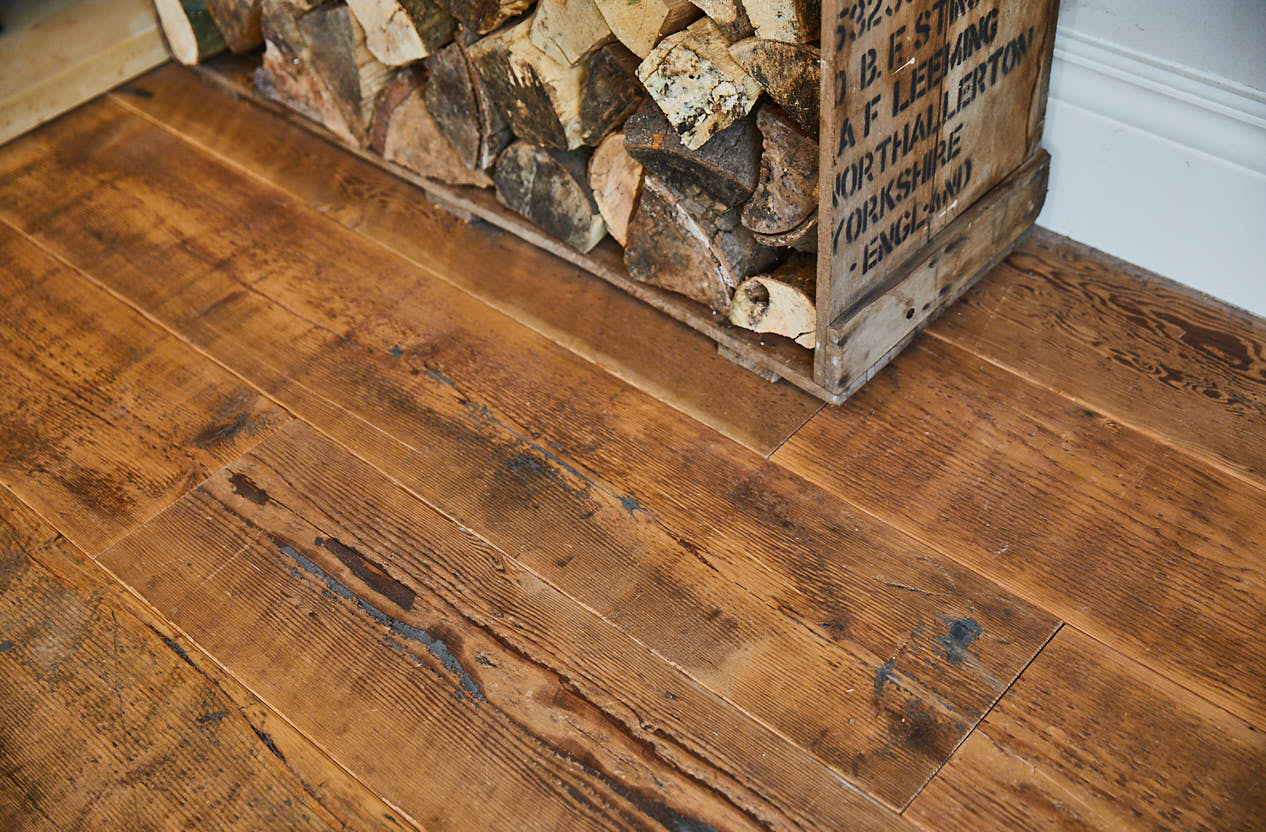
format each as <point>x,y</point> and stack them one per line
<point>729,16</point>
<point>783,302</point>
<point>693,79</point>
<point>641,24</point>
<point>404,132</point>
<point>456,99</point>
<point>551,189</point>
<point>317,63</point>
<point>483,16</point>
<point>610,93</point>
<point>238,22</point>
<point>790,21</point>
<point>191,32</point>
<point>536,95</point>
<point>698,253</point>
<point>340,56</point>
<point>287,76</point>
<point>398,32</point>
<point>787,193</point>
<point>791,73</point>
<point>804,237</point>
<point>569,30</point>
<point>548,103</point>
<point>616,179</point>
<point>726,168</point>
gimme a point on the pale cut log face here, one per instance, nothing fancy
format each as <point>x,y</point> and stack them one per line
<point>191,32</point>
<point>697,84</point>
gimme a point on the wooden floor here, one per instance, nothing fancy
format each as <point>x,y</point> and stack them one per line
<point>323,509</point>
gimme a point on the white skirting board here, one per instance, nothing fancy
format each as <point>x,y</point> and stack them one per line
<point>1159,165</point>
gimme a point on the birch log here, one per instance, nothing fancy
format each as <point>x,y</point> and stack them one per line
<point>616,179</point>
<point>782,302</point>
<point>551,189</point>
<point>699,87</point>
<point>569,31</point>
<point>192,34</point>
<point>641,24</point>
<point>455,97</point>
<point>790,73</point>
<point>398,32</point>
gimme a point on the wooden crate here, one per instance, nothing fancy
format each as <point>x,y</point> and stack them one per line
<point>930,171</point>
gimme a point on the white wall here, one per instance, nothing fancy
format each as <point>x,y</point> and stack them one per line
<point>1157,128</point>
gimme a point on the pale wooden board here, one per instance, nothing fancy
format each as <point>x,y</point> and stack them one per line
<point>57,54</point>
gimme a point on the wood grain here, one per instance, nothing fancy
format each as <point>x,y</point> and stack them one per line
<point>106,722</point>
<point>105,418</point>
<point>1088,739</point>
<point>1146,351</point>
<point>1146,549</point>
<point>555,298</point>
<point>570,723</point>
<point>857,643</point>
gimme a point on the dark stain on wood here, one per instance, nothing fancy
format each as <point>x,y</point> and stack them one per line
<point>245,488</point>
<point>960,634</point>
<point>371,573</point>
<point>436,646</point>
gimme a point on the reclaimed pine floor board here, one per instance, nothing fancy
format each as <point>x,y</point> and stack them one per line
<point>105,418</point>
<point>748,650</point>
<point>764,589</point>
<point>1143,547</point>
<point>589,317</point>
<point>1142,350</point>
<point>108,722</point>
<point>1088,739</point>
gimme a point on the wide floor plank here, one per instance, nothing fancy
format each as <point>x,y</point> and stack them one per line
<point>460,686</point>
<point>579,311</point>
<point>106,722</point>
<point>1089,740</point>
<point>1134,346</point>
<point>104,417</point>
<point>860,644</point>
<point>1144,547</point>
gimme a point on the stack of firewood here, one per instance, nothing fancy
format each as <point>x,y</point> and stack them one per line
<point>686,129</point>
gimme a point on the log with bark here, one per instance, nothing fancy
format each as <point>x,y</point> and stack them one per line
<point>483,16</point>
<point>725,170</point>
<point>729,16</point>
<point>546,102</point>
<point>317,62</point>
<point>787,193</point>
<point>404,132</point>
<point>398,32</point>
<point>456,99</point>
<point>569,31</point>
<point>641,24</point>
<point>790,73</point>
<point>192,34</point>
<point>696,252</point>
<point>239,23</point>
<point>551,189</point>
<point>790,21</point>
<point>782,302</point>
<point>616,179</point>
<point>699,87</point>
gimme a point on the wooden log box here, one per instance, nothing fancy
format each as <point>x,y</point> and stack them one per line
<point>807,183</point>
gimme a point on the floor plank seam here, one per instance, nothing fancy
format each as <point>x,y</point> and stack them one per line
<point>984,716</point>
<point>1159,438</point>
<point>788,437</point>
<point>529,323</point>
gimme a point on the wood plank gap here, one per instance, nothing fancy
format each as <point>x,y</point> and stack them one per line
<point>1155,436</point>
<point>528,321</point>
<point>985,715</point>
